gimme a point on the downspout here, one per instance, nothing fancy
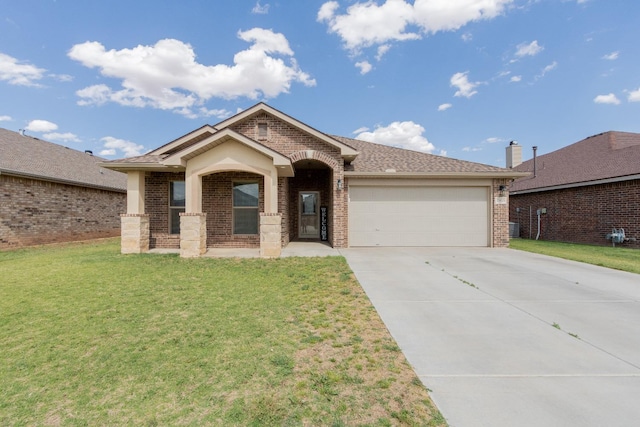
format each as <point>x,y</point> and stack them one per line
<point>539,211</point>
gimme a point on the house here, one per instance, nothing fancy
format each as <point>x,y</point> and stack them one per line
<point>582,192</point>
<point>263,178</point>
<point>50,193</point>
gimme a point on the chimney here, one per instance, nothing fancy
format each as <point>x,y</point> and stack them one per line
<point>514,155</point>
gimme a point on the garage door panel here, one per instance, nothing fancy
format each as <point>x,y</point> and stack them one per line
<point>418,216</point>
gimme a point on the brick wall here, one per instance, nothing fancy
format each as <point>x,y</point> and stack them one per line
<point>581,215</point>
<point>500,215</point>
<point>34,212</point>
<point>157,206</point>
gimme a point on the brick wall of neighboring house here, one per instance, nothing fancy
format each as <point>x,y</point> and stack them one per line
<point>582,214</point>
<point>34,212</point>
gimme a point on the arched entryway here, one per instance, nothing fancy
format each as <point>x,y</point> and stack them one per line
<point>310,202</point>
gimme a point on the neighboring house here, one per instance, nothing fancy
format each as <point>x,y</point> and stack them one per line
<point>50,193</point>
<point>583,191</point>
<point>262,179</point>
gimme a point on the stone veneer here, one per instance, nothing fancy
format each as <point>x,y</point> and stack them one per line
<point>135,233</point>
<point>270,235</point>
<point>193,234</point>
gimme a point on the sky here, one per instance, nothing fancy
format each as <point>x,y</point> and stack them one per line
<point>456,78</point>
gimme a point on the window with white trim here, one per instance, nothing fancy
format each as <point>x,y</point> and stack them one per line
<point>245,207</point>
<point>176,205</point>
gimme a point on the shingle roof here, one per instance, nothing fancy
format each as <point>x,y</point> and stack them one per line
<point>604,156</point>
<point>378,158</point>
<point>31,157</point>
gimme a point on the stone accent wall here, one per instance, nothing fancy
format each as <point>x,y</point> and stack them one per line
<point>156,203</point>
<point>581,215</point>
<point>34,212</point>
<point>135,233</point>
<point>500,215</point>
<point>193,234</point>
<point>270,235</point>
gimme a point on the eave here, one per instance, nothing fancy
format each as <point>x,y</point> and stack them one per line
<point>435,175</point>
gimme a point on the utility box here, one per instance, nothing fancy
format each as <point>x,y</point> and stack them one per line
<point>514,229</point>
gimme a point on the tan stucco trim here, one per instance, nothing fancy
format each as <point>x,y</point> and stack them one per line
<point>347,153</point>
<point>279,161</point>
<point>148,167</point>
<point>230,155</point>
<point>135,192</point>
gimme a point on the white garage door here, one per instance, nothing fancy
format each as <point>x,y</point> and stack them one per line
<point>418,216</point>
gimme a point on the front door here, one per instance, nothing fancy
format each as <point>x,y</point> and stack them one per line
<point>309,218</point>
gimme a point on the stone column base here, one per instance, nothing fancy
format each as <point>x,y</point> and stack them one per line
<point>193,234</point>
<point>270,235</point>
<point>134,230</point>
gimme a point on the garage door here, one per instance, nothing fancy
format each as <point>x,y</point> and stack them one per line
<point>418,216</point>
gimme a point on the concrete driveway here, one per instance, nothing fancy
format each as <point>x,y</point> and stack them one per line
<point>507,338</point>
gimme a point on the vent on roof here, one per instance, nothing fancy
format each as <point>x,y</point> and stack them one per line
<point>89,152</point>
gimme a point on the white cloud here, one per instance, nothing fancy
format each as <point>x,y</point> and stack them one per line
<point>364,66</point>
<point>493,140</point>
<point>41,126</point>
<point>382,50</point>
<point>471,149</point>
<point>406,135</point>
<point>128,148</point>
<point>444,107</point>
<point>607,99</point>
<point>360,130</point>
<point>530,49</point>
<point>166,75</point>
<point>6,119</point>
<point>611,56</point>
<point>18,73</point>
<point>366,23</point>
<point>634,96</point>
<point>515,79</point>
<point>62,137</point>
<point>466,37</point>
<point>260,9</point>
<point>546,69</point>
<point>465,87</point>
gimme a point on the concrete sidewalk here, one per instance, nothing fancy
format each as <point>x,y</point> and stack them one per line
<point>508,338</point>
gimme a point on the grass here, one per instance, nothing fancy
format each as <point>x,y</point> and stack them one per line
<point>92,337</point>
<point>606,256</point>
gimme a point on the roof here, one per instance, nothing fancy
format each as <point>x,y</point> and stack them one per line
<point>30,157</point>
<point>606,156</point>
<point>376,159</point>
<point>362,159</point>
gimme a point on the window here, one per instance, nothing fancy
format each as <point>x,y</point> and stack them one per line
<point>176,205</point>
<point>262,131</point>
<point>245,207</point>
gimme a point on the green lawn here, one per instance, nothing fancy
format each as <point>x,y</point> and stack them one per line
<point>606,256</point>
<point>92,337</point>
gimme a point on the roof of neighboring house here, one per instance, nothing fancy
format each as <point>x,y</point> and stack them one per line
<point>606,156</point>
<point>377,158</point>
<point>26,156</point>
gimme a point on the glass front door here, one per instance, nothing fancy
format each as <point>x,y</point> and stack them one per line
<point>309,218</point>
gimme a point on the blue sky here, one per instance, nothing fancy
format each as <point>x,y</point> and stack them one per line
<point>459,78</point>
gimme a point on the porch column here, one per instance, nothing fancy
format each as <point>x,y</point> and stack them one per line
<point>134,230</point>
<point>193,234</point>
<point>270,235</point>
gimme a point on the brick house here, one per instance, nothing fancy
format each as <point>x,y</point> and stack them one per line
<point>583,191</point>
<point>50,193</point>
<point>262,179</point>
